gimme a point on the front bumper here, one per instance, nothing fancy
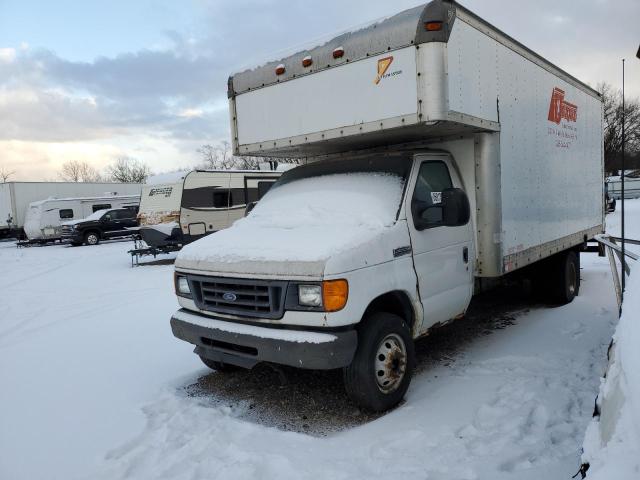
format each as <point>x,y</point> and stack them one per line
<point>246,345</point>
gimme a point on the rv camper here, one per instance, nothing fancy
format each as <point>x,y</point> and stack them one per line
<point>15,198</point>
<point>203,202</point>
<point>44,218</point>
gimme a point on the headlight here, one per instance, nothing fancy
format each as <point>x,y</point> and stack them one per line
<point>328,296</point>
<point>182,286</point>
<point>310,295</point>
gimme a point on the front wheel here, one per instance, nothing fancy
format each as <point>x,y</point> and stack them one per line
<point>91,238</point>
<point>380,373</point>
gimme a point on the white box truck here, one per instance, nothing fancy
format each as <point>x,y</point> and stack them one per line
<point>440,155</point>
<point>15,198</point>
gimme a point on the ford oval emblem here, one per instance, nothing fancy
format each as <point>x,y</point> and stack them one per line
<point>229,297</point>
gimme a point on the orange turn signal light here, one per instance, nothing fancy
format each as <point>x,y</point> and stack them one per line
<point>433,26</point>
<point>307,61</point>
<point>338,52</point>
<point>334,294</point>
<point>280,69</point>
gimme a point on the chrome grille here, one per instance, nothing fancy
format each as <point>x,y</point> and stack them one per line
<point>66,230</point>
<point>242,297</point>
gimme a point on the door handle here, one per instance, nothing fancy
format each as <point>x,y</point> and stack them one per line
<point>465,254</point>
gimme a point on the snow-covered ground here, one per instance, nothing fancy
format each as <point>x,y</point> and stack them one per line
<point>93,385</point>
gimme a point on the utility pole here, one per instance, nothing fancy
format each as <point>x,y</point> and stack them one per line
<point>624,260</point>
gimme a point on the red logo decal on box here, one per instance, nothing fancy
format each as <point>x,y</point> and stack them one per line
<point>560,109</point>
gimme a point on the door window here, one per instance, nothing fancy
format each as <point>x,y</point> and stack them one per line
<point>433,178</point>
<point>221,199</point>
<point>66,213</point>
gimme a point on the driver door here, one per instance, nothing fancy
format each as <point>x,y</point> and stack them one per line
<point>442,254</point>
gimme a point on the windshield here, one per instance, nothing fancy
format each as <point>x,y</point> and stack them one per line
<point>399,166</point>
<point>364,193</point>
<point>97,215</point>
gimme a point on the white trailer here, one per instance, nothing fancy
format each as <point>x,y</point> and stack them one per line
<point>15,198</point>
<point>441,155</point>
<point>44,218</point>
<point>196,204</point>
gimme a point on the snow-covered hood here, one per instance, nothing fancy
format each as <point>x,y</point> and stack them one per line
<point>312,227</point>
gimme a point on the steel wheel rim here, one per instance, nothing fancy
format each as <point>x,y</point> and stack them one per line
<point>390,363</point>
<point>573,282</point>
<point>92,239</point>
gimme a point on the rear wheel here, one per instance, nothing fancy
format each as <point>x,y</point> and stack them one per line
<point>380,373</point>
<point>565,278</point>
<point>91,238</point>
<point>218,366</point>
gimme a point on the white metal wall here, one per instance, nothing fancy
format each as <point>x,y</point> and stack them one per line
<point>338,97</point>
<point>27,192</point>
<point>551,172</point>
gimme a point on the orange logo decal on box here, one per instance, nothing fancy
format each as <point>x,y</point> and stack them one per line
<point>383,66</point>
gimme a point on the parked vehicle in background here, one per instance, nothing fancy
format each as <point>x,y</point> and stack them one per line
<point>159,215</point>
<point>631,187</point>
<point>610,202</point>
<point>15,198</point>
<point>101,225</point>
<point>200,203</point>
<point>213,199</point>
<point>44,218</point>
<point>442,156</point>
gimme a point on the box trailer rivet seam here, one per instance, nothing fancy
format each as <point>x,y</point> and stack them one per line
<point>447,160</point>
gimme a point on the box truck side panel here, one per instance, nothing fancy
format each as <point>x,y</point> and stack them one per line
<point>363,92</point>
<point>550,141</point>
<point>5,204</point>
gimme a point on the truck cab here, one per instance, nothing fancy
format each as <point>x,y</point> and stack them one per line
<point>380,238</point>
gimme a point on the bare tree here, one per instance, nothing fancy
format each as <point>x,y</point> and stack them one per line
<point>128,170</point>
<point>5,173</point>
<point>219,157</point>
<point>77,171</point>
<point>613,115</point>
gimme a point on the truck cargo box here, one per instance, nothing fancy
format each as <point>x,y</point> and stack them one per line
<point>526,135</point>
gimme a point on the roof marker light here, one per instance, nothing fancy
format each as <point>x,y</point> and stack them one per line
<point>307,61</point>
<point>338,52</point>
<point>280,69</point>
<point>435,26</point>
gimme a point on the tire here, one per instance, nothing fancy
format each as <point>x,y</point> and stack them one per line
<point>218,366</point>
<point>381,370</point>
<point>565,278</point>
<point>91,238</point>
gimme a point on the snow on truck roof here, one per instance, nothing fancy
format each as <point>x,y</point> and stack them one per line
<point>392,33</point>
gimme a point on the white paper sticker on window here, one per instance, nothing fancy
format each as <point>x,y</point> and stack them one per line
<point>436,197</point>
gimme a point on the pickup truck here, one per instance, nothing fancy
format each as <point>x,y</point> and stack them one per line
<point>101,225</point>
<point>440,158</point>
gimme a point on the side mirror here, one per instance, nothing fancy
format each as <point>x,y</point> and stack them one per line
<point>452,211</point>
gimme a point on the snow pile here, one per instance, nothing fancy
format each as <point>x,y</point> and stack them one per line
<point>164,228</point>
<point>612,442</point>
<point>306,220</point>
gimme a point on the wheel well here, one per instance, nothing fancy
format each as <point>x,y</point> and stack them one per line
<point>396,302</point>
<point>92,230</point>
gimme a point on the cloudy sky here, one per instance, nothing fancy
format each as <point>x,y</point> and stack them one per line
<point>89,80</point>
